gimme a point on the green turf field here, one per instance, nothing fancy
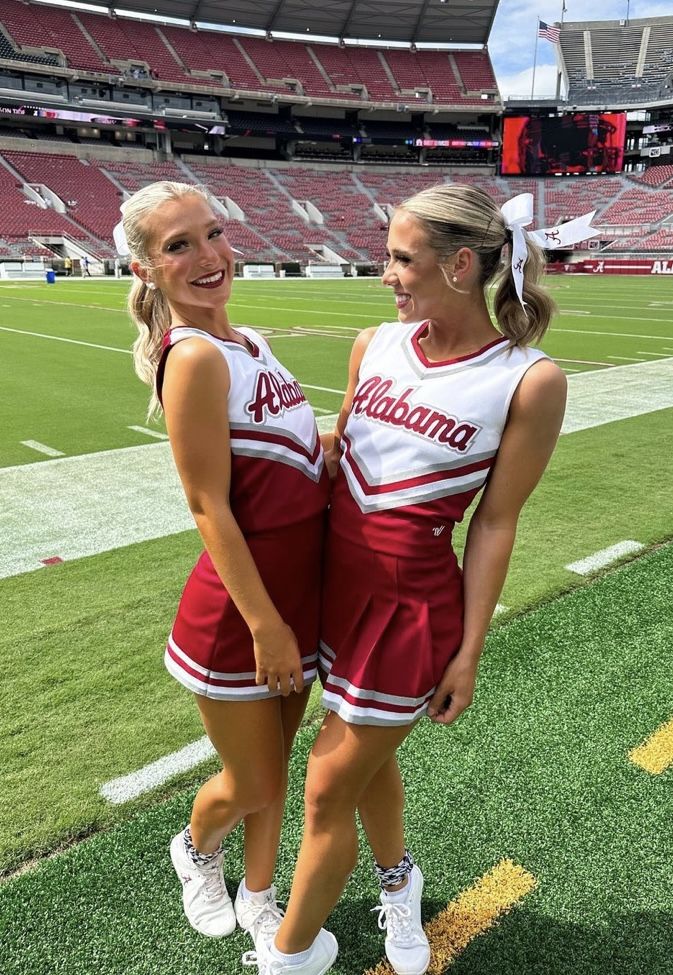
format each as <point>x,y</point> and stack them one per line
<point>565,692</point>
<point>537,771</point>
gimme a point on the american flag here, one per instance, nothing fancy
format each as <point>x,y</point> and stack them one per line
<point>549,33</point>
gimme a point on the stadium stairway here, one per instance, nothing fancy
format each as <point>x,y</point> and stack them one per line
<point>336,240</point>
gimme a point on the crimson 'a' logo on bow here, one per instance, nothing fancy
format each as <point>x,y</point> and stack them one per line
<point>553,235</point>
<point>519,265</point>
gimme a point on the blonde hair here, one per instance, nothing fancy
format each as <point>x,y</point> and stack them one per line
<point>456,216</point>
<point>147,305</point>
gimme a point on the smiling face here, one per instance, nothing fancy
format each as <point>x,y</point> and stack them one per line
<point>192,262</point>
<point>413,271</point>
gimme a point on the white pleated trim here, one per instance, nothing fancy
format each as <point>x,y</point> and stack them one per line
<point>253,692</point>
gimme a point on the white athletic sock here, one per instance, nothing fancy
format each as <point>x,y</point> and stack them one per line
<point>256,896</point>
<point>398,896</point>
<point>295,959</point>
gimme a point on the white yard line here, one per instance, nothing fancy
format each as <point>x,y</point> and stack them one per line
<point>67,304</point>
<point>584,362</point>
<point>131,786</point>
<point>606,556</point>
<point>59,338</point>
<point>324,389</point>
<point>42,448</point>
<point>617,335</point>
<point>299,311</point>
<point>157,434</point>
<point>657,355</point>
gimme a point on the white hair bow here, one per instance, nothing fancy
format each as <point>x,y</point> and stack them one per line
<point>122,244</point>
<point>518,213</point>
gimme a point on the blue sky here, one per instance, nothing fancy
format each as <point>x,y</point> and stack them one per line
<point>512,40</point>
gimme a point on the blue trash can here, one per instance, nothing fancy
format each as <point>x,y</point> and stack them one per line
<point>51,277</point>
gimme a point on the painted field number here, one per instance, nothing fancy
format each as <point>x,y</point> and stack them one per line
<point>656,754</point>
<point>470,914</point>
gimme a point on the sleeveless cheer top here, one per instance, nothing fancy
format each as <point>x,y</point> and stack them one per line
<point>278,475</point>
<point>421,439</point>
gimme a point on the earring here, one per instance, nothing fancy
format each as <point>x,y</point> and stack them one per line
<point>151,285</point>
<point>454,278</point>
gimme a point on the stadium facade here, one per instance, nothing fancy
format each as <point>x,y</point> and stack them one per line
<point>310,142</point>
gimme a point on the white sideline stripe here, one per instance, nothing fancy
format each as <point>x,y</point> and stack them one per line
<point>150,433</point>
<point>326,424</point>
<point>103,501</point>
<point>43,449</point>
<point>606,555</point>
<point>97,502</point>
<point>618,393</point>
<point>499,608</point>
<point>130,786</point>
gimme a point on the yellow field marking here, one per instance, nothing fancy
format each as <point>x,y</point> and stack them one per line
<point>655,754</point>
<point>474,911</point>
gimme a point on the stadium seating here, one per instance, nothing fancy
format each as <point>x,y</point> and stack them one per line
<point>635,212</point>
<point>95,42</point>
<point>656,176</point>
<point>618,62</point>
<point>32,25</point>
<point>92,199</point>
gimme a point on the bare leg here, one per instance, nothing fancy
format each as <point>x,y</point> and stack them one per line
<point>344,760</point>
<point>381,810</point>
<point>249,740</point>
<point>262,828</point>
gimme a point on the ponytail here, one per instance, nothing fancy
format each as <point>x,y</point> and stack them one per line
<point>524,325</point>
<point>149,310</point>
<point>456,216</point>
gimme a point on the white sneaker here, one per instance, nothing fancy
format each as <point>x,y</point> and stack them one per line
<point>260,918</point>
<point>322,955</point>
<point>204,894</point>
<point>407,947</point>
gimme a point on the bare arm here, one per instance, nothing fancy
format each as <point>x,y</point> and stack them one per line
<point>196,385</point>
<point>331,441</point>
<point>532,429</point>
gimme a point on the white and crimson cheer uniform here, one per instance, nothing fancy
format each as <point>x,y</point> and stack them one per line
<point>278,496</point>
<point>418,445</point>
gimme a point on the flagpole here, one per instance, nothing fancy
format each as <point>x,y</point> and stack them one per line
<point>532,86</point>
<point>558,55</point>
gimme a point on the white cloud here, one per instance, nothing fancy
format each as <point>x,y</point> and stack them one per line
<point>518,84</point>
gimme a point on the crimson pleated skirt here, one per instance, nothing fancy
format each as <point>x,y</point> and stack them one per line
<point>389,628</point>
<point>210,649</point>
